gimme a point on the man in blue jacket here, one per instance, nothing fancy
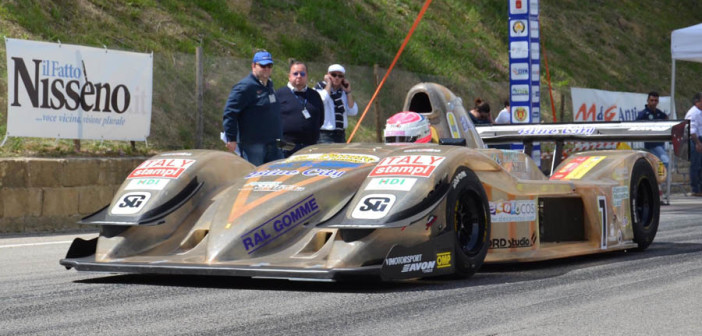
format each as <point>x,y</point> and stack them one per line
<point>251,117</point>
<point>650,112</point>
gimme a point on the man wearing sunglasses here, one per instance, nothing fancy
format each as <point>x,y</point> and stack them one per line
<point>301,109</point>
<point>251,117</point>
<point>338,101</point>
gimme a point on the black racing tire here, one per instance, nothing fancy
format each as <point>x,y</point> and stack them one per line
<point>645,203</point>
<point>468,216</point>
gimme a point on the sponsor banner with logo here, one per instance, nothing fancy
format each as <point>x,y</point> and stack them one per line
<point>355,158</point>
<point>163,168</point>
<point>76,92</point>
<point>601,105</point>
<point>147,184</point>
<point>524,61</point>
<point>513,211</point>
<point>408,165</point>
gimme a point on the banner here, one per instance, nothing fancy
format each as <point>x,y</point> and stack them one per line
<point>75,92</point>
<point>600,105</point>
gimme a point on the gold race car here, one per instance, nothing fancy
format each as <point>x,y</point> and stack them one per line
<point>394,211</point>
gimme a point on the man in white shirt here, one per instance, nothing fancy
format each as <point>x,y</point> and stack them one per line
<point>695,117</point>
<point>338,101</point>
<point>504,116</point>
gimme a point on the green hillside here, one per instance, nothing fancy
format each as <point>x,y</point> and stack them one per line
<point>611,45</point>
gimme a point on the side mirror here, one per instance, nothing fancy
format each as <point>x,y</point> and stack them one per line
<point>453,142</point>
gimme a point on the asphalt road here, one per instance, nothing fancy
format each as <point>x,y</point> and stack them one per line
<point>655,292</point>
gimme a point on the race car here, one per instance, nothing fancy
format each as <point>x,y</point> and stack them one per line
<point>394,211</point>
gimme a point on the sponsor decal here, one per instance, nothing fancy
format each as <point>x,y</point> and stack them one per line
<point>557,130</point>
<point>391,183</point>
<point>464,123</point>
<point>661,168</point>
<point>130,203</point>
<point>577,168</point>
<point>453,126</point>
<point>443,260</point>
<point>502,243</point>
<point>535,95</point>
<point>409,165</point>
<point>147,184</point>
<point>619,194</point>
<point>316,164</point>
<point>419,150</point>
<point>513,211</point>
<point>374,206</point>
<point>519,49</point>
<point>520,113</point>
<point>177,154</point>
<point>163,168</point>
<point>519,71</point>
<point>275,227</point>
<point>518,28</point>
<point>520,93</point>
<point>412,263</point>
<point>271,186</point>
<point>333,173</point>
<point>355,158</point>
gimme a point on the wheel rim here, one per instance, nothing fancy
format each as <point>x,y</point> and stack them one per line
<point>643,203</point>
<point>469,219</point>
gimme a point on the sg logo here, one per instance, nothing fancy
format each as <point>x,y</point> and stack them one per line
<point>373,206</point>
<point>131,203</point>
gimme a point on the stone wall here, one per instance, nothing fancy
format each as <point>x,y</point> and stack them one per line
<point>50,195</point>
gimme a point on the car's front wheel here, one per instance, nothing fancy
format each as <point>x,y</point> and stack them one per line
<point>467,214</point>
<point>645,203</point>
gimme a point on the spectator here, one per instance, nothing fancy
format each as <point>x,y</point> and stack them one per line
<point>251,117</point>
<point>504,116</point>
<point>480,115</point>
<point>301,109</point>
<point>335,91</point>
<point>695,117</point>
<point>650,112</point>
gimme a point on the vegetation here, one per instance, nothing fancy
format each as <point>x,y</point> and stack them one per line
<point>611,45</point>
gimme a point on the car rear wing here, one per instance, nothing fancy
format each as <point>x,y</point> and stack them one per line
<point>675,131</point>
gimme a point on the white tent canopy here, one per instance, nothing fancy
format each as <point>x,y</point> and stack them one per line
<point>685,45</point>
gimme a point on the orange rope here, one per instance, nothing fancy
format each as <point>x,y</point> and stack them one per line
<point>392,65</point>
<point>548,76</point>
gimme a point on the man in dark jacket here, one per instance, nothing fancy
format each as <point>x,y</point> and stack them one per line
<point>251,117</point>
<point>650,112</point>
<point>301,109</point>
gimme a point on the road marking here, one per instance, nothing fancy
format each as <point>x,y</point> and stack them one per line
<point>37,244</point>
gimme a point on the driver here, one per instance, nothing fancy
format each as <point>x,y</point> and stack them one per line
<point>407,127</point>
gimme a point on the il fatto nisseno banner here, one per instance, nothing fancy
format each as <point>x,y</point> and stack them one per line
<point>75,92</point>
<point>601,105</point>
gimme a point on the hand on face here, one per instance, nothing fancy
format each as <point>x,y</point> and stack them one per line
<point>336,78</point>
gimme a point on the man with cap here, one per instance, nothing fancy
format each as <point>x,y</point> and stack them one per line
<point>251,117</point>
<point>338,101</point>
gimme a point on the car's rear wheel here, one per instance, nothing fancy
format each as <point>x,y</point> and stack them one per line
<point>645,203</point>
<point>467,213</point>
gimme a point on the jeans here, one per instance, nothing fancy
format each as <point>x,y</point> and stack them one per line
<point>259,154</point>
<point>695,168</point>
<point>661,153</point>
<point>338,136</point>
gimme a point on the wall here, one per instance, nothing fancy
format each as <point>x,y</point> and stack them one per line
<point>50,195</point>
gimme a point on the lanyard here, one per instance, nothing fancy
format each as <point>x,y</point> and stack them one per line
<point>303,102</point>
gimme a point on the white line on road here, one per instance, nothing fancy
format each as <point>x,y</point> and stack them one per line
<point>37,244</point>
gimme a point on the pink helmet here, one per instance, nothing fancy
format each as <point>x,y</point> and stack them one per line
<point>407,126</point>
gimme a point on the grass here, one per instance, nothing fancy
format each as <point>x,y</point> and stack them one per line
<point>611,45</point>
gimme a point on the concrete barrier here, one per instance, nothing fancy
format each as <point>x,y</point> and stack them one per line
<point>50,195</point>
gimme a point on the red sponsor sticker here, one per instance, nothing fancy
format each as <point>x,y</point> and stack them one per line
<point>165,168</point>
<point>408,165</point>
